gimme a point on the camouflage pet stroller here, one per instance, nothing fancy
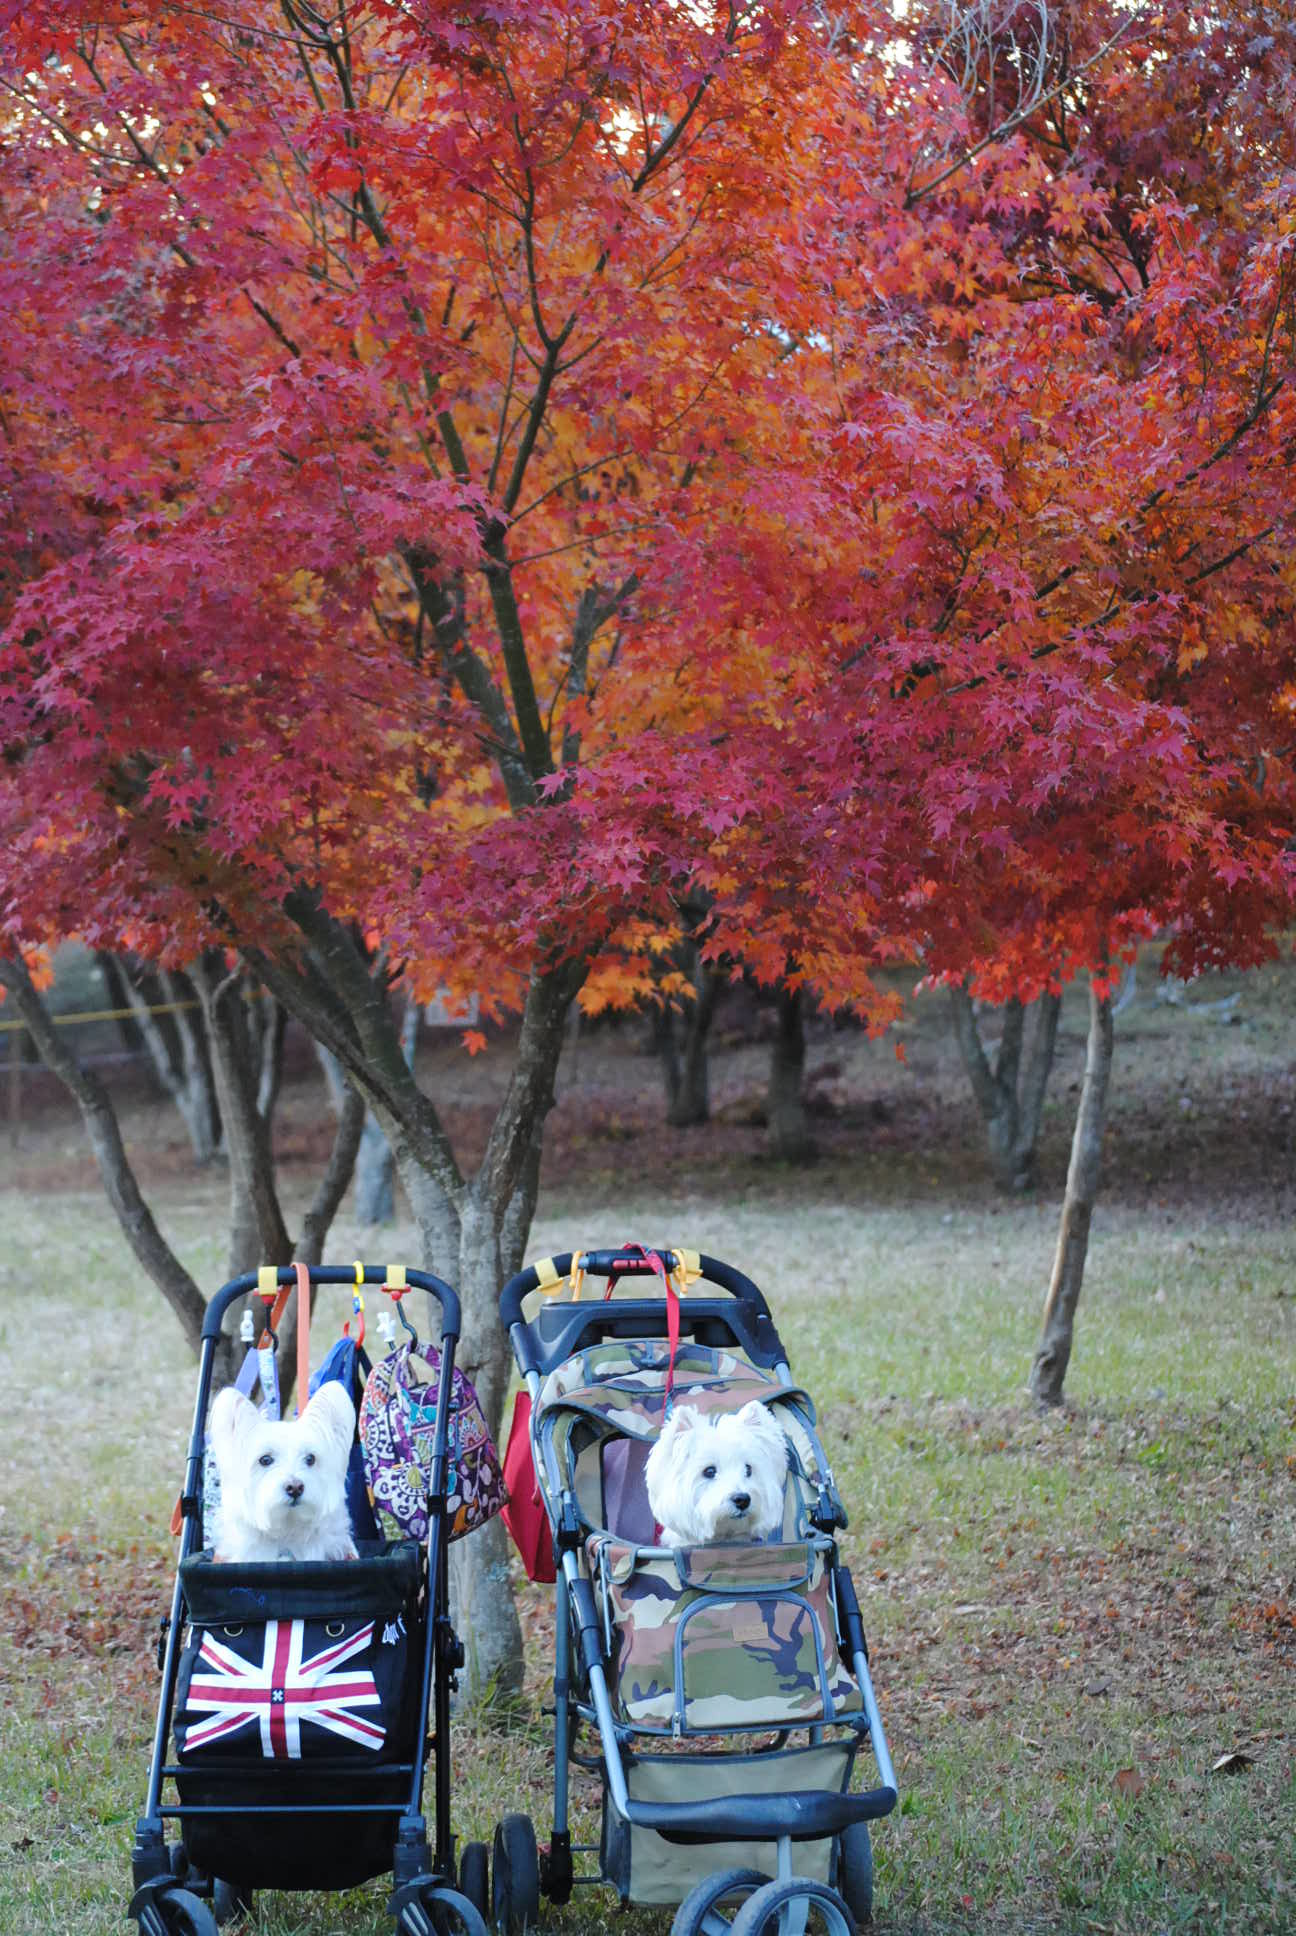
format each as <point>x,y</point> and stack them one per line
<point>728,1684</point>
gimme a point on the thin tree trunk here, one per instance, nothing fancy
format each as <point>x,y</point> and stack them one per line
<point>273,1029</point>
<point>323,1207</point>
<point>692,1101</point>
<point>178,1056</point>
<point>258,1234</point>
<point>1010,1095</point>
<point>789,1129</point>
<point>1053,1353</point>
<point>151,1250</point>
<point>119,998</point>
<point>375,1200</point>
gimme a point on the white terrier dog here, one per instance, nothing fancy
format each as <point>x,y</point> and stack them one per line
<point>283,1482</point>
<point>720,1477</point>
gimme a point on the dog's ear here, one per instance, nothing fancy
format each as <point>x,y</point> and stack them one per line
<point>331,1412</point>
<point>760,1422</point>
<point>662,1451</point>
<point>231,1416</point>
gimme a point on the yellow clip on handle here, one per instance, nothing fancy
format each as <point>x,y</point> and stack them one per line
<point>688,1268</point>
<point>396,1284</point>
<point>547,1278</point>
<point>268,1282</point>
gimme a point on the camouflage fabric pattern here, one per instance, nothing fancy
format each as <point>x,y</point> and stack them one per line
<point>761,1657</point>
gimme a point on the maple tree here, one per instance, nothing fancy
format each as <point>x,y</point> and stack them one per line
<point>477,475</point>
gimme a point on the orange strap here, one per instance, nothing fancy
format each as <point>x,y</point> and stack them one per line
<point>303,1335</point>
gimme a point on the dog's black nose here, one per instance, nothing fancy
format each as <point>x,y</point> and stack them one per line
<point>742,1500</point>
<point>294,1488</point>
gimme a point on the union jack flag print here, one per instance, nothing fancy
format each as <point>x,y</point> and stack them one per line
<point>282,1690</point>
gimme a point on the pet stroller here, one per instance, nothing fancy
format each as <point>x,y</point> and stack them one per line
<point>682,1660</point>
<point>304,1697</point>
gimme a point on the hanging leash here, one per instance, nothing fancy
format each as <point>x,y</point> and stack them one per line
<point>657,1263</point>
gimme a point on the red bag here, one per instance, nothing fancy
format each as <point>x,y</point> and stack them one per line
<point>524,1515</point>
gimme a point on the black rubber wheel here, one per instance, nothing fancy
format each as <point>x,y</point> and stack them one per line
<point>230,1900</point>
<point>855,1870</point>
<point>438,1911</point>
<point>807,1906</point>
<point>515,1876</point>
<point>474,1877</point>
<point>184,1914</point>
<point>711,1905</point>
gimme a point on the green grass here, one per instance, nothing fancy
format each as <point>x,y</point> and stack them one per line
<point>1072,1617</point>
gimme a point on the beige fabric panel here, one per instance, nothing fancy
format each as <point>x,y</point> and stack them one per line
<point>664,1872</point>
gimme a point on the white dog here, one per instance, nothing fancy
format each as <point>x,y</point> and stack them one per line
<point>283,1482</point>
<point>715,1478</point>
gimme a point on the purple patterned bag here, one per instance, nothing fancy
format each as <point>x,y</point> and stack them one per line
<point>397,1417</point>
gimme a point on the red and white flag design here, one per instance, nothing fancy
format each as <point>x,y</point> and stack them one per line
<point>282,1690</point>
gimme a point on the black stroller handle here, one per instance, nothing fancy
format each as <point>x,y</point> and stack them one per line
<point>286,1274</point>
<point>623,1263</point>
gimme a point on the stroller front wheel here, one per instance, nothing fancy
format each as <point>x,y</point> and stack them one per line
<point>855,1870</point>
<point>712,1904</point>
<point>171,1911</point>
<point>797,1907</point>
<point>230,1900</point>
<point>515,1876</point>
<point>474,1877</point>
<point>427,1908</point>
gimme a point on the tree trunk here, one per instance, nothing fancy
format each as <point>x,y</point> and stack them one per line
<point>1053,1353</point>
<point>375,1199</point>
<point>177,1052</point>
<point>114,979</point>
<point>789,1129</point>
<point>258,1234</point>
<point>1011,1095</point>
<point>692,1101</point>
<point>134,1217</point>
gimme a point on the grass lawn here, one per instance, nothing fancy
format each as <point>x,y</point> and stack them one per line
<point>1072,1618</point>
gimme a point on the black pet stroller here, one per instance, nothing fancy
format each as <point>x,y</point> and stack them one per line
<point>728,1684</point>
<point>304,1699</point>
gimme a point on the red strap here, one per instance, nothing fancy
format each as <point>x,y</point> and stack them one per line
<point>658,1264</point>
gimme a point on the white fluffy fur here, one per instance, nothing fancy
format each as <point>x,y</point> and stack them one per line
<point>283,1483</point>
<point>718,1477</point>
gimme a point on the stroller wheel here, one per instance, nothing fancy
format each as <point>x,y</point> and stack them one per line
<point>515,1876</point>
<point>427,1908</point>
<point>710,1906</point>
<point>182,1913</point>
<point>855,1870</point>
<point>797,1907</point>
<point>230,1900</point>
<point>474,1879</point>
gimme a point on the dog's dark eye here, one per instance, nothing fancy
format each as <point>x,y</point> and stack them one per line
<point>309,1459</point>
<point>746,1472</point>
<point>267,1458</point>
<point>708,1472</point>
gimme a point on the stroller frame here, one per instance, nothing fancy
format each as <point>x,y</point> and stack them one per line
<point>560,1329</point>
<point>168,1900</point>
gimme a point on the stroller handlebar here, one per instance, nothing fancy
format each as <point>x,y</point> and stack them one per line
<point>617,1263</point>
<point>415,1280</point>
